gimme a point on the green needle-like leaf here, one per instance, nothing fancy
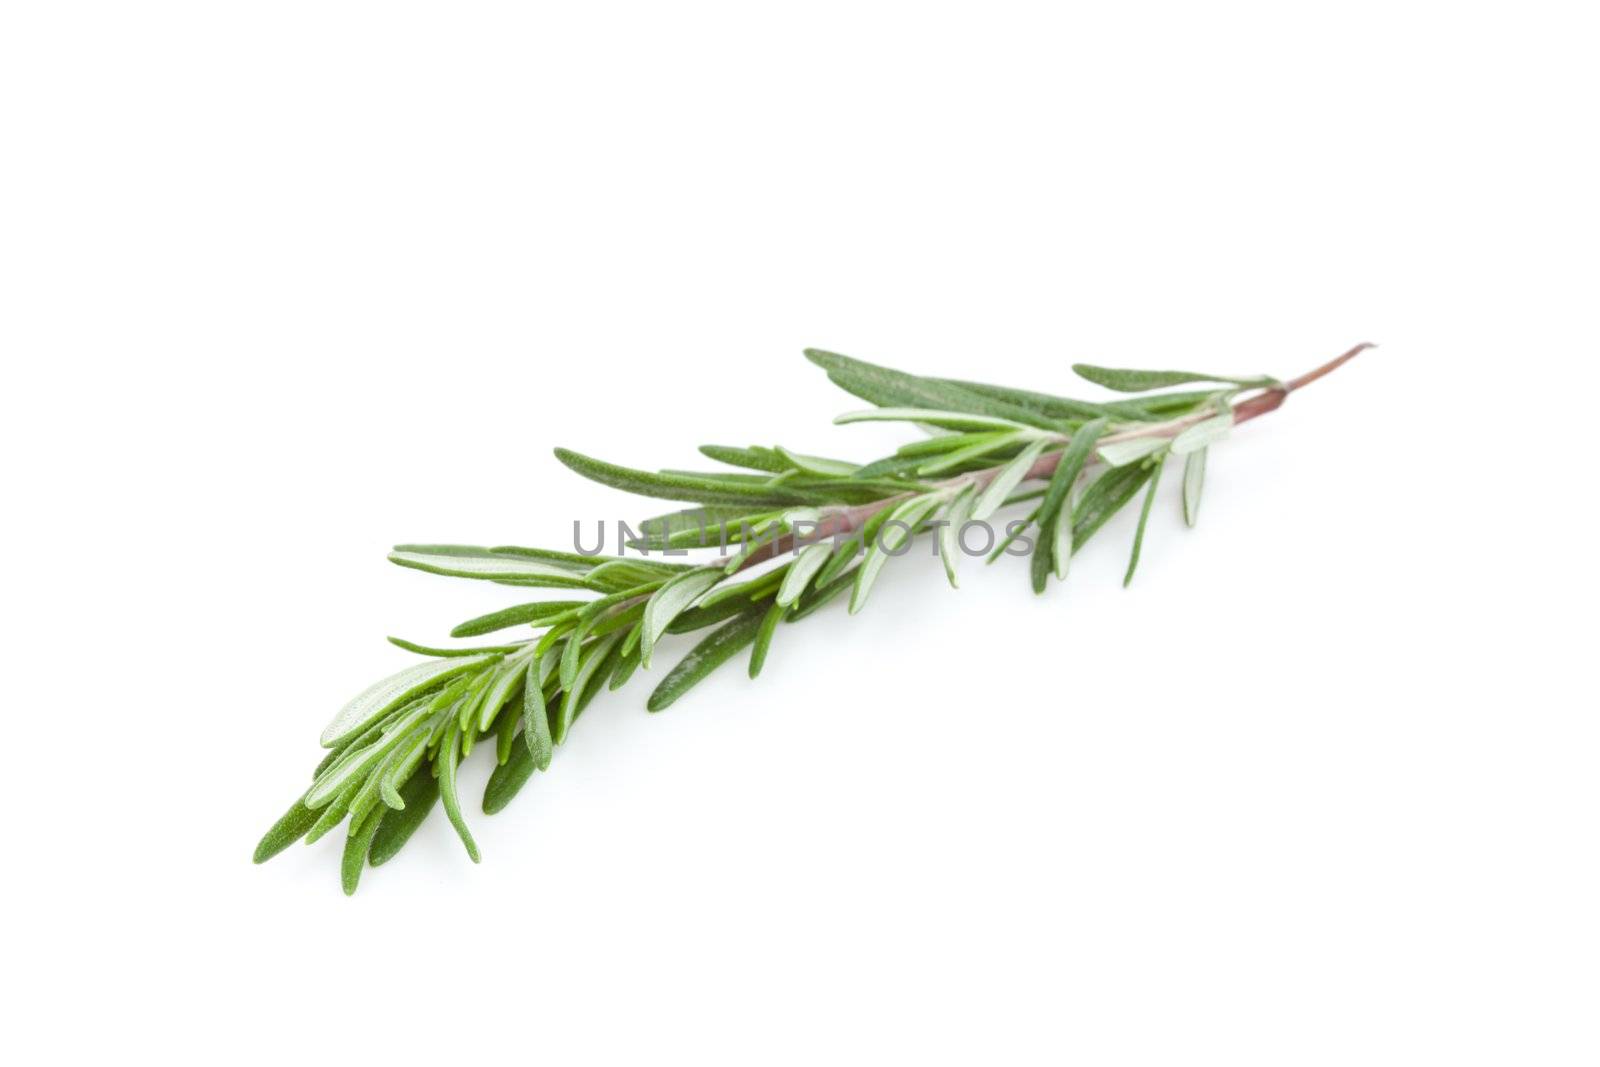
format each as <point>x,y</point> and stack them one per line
<point>493,566</point>
<point>536,718</point>
<point>446,764</point>
<point>1144,518</point>
<point>669,601</point>
<point>357,843</point>
<point>769,626</point>
<point>721,645</point>
<point>1194,481</point>
<point>1103,499</point>
<point>507,780</point>
<point>891,388</point>
<point>805,567</point>
<point>420,793</point>
<point>286,831</point>
<point>701,489</point>
<point>1010,476</point>
<point>1140,381</point>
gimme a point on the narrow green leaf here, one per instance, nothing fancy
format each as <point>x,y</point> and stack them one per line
<point>1140,381</point>
<point>895,531</point>
<point>1052,529</point>
<point>382,697</point>
<point>1059,534</point>
<point>538,612</point>
<point>1144,517</point>
<point>420,793</point>
<point>436,653</point>
<point>286,831</point>
<point>1014,530</point>
<point>357,843</point>
<point>1010,476</point>
<point>769,626</point>
<point>402,770</point>
<point>754,458</point>
<point>715,649</point>
<point>504,687</point>
<point>492,566</point>
<point>507,780</point>
<point>627,663</point>
<point>577,560</point>
<point>1194,480</point>
<point>1103,499</point>
<point>891,388</point>
<point>668,602</point>
<point>446,764</point>
<point>702,489</point>
<point>956,516</point>
<point>1059,408</point>
<point>945,420</point>
<point>1039,559</point>
<point>535,717</point>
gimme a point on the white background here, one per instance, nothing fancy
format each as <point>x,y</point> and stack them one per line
<point>285,284</point>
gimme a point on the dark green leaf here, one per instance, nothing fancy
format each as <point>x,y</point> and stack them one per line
<point>715,649</point>
<point>420,793</point>
<point>1104,498</point>
<point>536,717</point>
<point>1066,473</point>
<point>286,831</point>
<point>891,388</point>
<point>506,780</point>
<point>769,625</point>
<point>357,843</point>
<point>754,458</point>
<point>446,764</point>
<point>445,653</point>
<point>540,611</point>
<point>702,489</point>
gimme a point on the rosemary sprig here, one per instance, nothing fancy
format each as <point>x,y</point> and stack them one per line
<point>806,528</point>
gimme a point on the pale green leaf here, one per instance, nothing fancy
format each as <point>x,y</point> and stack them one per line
<point>1194,480</point>
<point>380,698</point>
<point>1010,476</point>
<point>805,567</point>
<point>668,602</point>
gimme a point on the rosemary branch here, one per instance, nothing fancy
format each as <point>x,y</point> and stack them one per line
<point>395,747</point>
